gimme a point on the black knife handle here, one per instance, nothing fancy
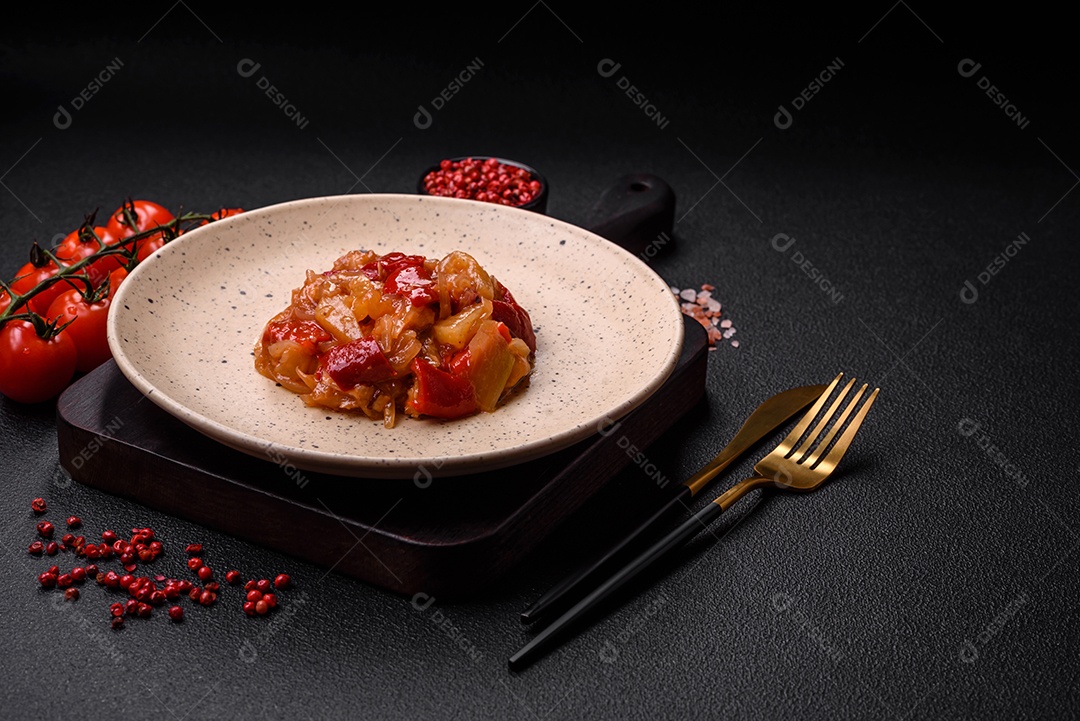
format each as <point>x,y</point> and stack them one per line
<point>690,528</point>
<point>574,586</point>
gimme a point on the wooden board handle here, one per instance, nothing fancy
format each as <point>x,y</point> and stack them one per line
<point>637,212</point>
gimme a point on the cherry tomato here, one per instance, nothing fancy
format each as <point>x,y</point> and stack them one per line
<point>80,243</point>
<point>87,328</point>
<point>32,368</point>
<point>223,213</point>
<point>148,246</point>
<point>116,277</point>
<point>136,216</point>
<point>29,276</point>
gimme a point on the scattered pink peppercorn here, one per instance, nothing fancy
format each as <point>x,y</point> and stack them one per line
<point>176,613</point>
<point>282,581</point>
<point>38,505</point>
<point>74,522</point>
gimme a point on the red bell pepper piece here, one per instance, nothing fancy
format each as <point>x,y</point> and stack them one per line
<point>441,394</point>
<point>414,282</point>
<point>517,320</point>
<point>361,361</point>
<point>381,268</point>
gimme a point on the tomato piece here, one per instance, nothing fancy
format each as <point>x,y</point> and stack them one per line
<point>34,369</point>
<point>490,364</point>
<point>307,333</point>
<point>371,270</point>
<point>415,282</point>
<point>87,328</point>
<point>361,361</point>
<point>441,394</point>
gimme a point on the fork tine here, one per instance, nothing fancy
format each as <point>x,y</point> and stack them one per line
<point>842,445</point>
<point>801,453</point>
<point>812,458</point>
<point>796,433</point>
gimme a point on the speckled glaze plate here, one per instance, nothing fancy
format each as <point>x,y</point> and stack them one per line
<point>184,324</point>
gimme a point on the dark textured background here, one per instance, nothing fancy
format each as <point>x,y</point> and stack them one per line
<point>925,582</point>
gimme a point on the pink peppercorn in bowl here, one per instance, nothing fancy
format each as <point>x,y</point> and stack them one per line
<point>488,179</point>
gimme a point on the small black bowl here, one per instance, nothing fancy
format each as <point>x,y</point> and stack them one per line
<point>537,204</point>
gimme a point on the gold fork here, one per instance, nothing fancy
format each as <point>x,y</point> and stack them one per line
<point>801,462</point>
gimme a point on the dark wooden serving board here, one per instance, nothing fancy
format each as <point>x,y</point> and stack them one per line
<point>445,536</point>
<point>449,538</point>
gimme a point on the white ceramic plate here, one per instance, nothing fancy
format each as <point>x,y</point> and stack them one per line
<point>184,324</point>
